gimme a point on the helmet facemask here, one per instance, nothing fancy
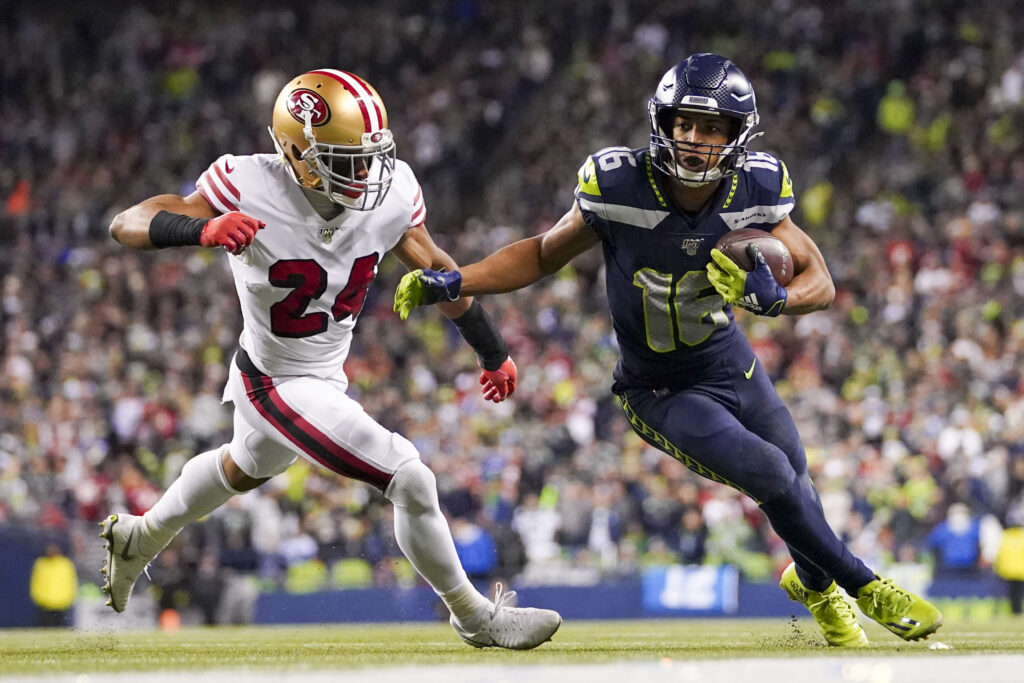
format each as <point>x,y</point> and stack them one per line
<point>339,168</point>
<point>666,150</point>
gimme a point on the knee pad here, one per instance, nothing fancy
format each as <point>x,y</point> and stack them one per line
<point>414,488</point>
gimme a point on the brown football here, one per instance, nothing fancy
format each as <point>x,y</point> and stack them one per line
<point>734,245</point>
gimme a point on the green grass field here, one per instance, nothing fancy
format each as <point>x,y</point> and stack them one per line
<point>342,647</point>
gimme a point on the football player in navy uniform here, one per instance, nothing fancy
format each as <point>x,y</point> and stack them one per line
<point>687,378</point>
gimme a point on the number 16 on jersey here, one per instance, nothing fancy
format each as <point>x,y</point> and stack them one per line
<point>688,308</point>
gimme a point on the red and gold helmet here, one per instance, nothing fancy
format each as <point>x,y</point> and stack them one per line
<point>332,129</point>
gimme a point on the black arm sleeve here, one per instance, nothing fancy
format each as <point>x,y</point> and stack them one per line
<point>175,230</point>
<point>480,332</point>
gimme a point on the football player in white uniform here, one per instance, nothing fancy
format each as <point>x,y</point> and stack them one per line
<point>305,229</point>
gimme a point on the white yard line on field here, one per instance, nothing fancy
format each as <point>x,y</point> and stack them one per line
<point>943,668</point>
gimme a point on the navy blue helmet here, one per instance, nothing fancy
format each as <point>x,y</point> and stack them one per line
<point>703,83</point>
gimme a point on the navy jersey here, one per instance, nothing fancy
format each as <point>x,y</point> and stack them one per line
<point>670,322</point>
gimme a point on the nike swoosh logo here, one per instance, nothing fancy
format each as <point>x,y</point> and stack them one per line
<point>227,166</point>
<point>668,86</point>
<point>744,98</point>
<point>747,375</point>
<point>128,544</point>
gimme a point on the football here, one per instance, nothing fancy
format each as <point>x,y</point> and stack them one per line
<point>734,245</point>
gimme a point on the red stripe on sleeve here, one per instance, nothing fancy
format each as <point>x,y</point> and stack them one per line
<point>227,183</point>
<point>212,194</point>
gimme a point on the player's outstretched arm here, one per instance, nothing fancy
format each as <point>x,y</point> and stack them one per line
<point>172,221</point>
<point>524,262</point>
<point>418,252</point>
<point>812,288</point>
<point>513,267</point>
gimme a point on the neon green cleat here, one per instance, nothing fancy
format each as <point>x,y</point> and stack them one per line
<point>829,608</point>
<point>900,611</point>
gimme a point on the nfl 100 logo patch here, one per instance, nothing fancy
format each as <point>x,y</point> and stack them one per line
<point>691,244</point>
<point>327,234</point>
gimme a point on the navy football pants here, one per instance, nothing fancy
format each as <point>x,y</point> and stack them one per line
<point>736,430</point>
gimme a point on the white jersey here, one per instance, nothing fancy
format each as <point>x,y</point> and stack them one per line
<point>302,281</point>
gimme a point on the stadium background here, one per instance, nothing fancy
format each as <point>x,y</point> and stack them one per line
<point>900,122</point>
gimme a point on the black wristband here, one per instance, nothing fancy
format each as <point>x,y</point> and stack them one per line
<point>175,230</point>
<point>480,332</point>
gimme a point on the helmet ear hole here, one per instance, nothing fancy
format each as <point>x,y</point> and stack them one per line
<point>296,154</point>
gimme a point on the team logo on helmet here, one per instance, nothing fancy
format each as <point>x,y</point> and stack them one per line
<point>303,101</point>
<point>376,137</point>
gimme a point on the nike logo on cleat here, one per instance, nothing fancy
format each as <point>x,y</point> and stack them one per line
<point>899,626</point>
<point>127,544</point>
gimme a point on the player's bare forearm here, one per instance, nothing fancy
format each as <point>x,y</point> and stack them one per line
<point>524,262</point>
<point>510,268</point>
<point>809,291</point>
<point>812,288</point>
<point>131,226</point>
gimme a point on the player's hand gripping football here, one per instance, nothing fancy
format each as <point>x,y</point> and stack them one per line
<point>756,290</point>
<point>234,231</point>
<point>499,384</point>
<point>422,287</point>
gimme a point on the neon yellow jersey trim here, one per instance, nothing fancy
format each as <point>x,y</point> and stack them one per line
<point>787,183</point>
<point>732,190</point>
<point>588,178</point>
<point>658,440</point>
<point>650,179</point>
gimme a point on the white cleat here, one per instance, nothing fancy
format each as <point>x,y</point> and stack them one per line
<point>124,560</point>
<point>513,628</point>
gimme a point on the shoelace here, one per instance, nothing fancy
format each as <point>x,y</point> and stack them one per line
<point>504,600</point>
<point>838,603</point>
<point>901,603</point>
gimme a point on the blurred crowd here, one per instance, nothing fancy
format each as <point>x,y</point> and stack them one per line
<point>902,125</point>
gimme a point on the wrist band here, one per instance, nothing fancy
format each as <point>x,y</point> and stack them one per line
<point>175,230</point>
<point>483,336</point>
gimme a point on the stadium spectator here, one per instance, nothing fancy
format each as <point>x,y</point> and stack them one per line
<point>956,542</point>
<point>53,587</point>
<point>1009,563</point>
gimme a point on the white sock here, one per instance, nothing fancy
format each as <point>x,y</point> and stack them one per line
<point>201,488</point>
<point>468,606</point>
<point>425,539</point>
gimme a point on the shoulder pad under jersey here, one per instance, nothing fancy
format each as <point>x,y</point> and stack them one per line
<point>614,186</point>
<point>769,193</point>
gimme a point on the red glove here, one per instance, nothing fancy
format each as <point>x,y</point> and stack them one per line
<point>234,231</point>
<point>499,384</point>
